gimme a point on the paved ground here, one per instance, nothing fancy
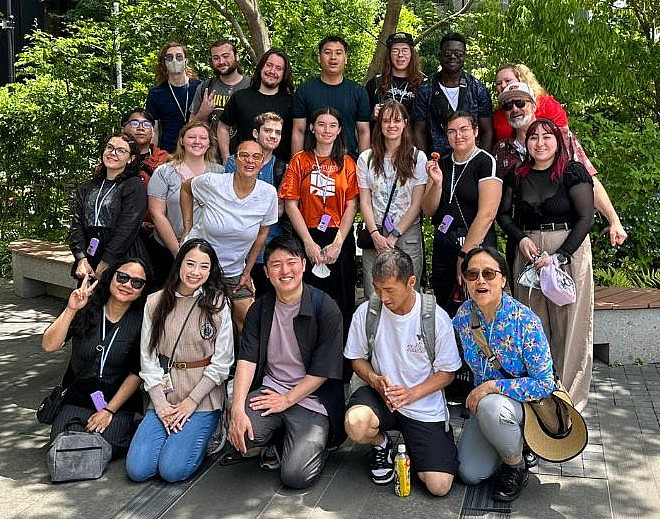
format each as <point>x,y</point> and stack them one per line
<point>617,476</point>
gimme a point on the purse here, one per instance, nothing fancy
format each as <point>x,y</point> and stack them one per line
<point>364,239</point>
<point>76,455</point>
<point>556,284</point>
<point>52,403</point>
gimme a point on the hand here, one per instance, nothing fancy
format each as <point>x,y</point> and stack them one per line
<point>99,421</point>
<point>79,297</point>
<point>207,105</point>
<point>475,396</point>
<point>617,234</point>
<point>83,268</point>
<point>377,110</point>
<point>271,401</point>
<point>542,261</point>
<point>245,281</point>
<point>182,413</point>
<point>434,172</point>
<point>239,425</point>
<point>101,268</point>
<point>398,396</point>
<point>529,249</point>
<point>380,383</point>
<point>165,415</point>
<point>391,241</point>
<point>147,226</point>
<point>313,252</point>
<point>331,252</point>
<point>380,242</point>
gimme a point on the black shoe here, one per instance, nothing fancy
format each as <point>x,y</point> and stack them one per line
<point>382,463</point>
<point>510,482</point>
<point>531,459</point>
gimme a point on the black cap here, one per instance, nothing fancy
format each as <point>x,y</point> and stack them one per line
<point>399,37</point>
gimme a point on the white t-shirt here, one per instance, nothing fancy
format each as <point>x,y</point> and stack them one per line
<point>381,186</point>
<point>399,353</point>
<point>230,223</point>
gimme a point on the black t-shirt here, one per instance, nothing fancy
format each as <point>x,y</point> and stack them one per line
<point>123,358</point>
<point>399,91</point>
<point>349,98</point>
<point>244,105</point>
<point>460,188</point>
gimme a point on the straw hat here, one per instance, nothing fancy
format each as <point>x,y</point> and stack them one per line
<point>548,445</point>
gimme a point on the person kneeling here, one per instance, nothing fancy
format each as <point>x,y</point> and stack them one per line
<point>288,376</point>
<point>405,368</point>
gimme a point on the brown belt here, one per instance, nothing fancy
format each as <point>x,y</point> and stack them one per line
<point>193,364</point>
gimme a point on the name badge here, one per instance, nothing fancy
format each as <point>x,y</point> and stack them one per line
<point>168,387</point>
<point>445,223</point>
<point>389,224</point>
<point>323,224</point>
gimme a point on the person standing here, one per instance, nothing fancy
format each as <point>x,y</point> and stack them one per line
<point>271,90</point>
<point>334,90</point>
<point>169,101</point>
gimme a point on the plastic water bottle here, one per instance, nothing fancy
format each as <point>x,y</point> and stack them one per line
<point>402,472</point>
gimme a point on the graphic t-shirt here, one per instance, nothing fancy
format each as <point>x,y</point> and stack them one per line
<point>319,192</point>
<point>222,94</point>
<point>399,90</point>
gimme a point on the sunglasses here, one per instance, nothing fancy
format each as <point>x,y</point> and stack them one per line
<point>243,156</point>
<point>172,57</point>
<point>487,274</point>
<point>123,278</point>
<point>134,123</point>
<point>520,103</point>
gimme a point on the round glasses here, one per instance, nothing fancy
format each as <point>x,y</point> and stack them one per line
<point>120,152</point>
<point>135,123</point>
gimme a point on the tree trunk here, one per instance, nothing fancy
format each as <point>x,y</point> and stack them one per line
<point>389,26</point>
<point>259,36</point>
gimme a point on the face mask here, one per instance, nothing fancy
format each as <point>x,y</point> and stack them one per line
<point>175,67</point>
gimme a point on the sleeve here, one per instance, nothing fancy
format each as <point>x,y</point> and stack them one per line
<point>580,187</point>
<point>547,107</point>
<point>421,105</point>
<point>363,112</point>
<point>371,91</point>
<point>221,360</point>
<point>363,170</point>
<point>152,106</point>
<point>151,371</point>
<point>77,236</point>
<point>291,183</point>
<point>505,211</point>
<point>229,115</point>
<point>158,186</point>
<point>249,345</point>
<point>576,151</point>
<point>484,101</point>
<point>270,217</point>
<point>230,165</point>
<point>487,167</point>
<point>132,206</point>
<point>197,98</point>
<point>421,177</point>
<point>352,189</point>
<point>298,105</point>
<point>537,361</point>
<point>327,360</point>
<point>446,352</point>
<point>356,343</point>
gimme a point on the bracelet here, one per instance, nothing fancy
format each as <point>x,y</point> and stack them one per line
<point>109,410</point>
<point>375,230</point>
<point>462,254</point>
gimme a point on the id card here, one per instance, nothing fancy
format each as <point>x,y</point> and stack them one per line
<point>168,387</point>
<point>93,245</point>
<point>323,224</point>
<point>445,223</point>
<point>389,224</point>
<point>99,400</point>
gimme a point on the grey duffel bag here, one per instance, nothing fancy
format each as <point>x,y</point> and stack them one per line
<point>76,455</point>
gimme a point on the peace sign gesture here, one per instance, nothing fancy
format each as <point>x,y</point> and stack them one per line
<point>79,297</point>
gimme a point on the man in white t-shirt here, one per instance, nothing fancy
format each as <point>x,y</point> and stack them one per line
<point>404,388</point>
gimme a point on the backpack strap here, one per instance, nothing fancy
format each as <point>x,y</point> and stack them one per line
<point>279,169</point>
<point>371,325</point>
<point>427,309</point>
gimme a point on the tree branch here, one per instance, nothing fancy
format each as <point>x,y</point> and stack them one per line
<point>229,15</point>
<point>439,23</point>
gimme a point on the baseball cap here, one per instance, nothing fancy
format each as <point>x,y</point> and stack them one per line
<point>516,91</point>
<point>399,37</point>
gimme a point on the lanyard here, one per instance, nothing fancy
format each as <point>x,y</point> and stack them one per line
<point>326,181</point>
<point>484,362</point>
<point>183,112</point>
<point>105,352</point>
<point>97,204</point>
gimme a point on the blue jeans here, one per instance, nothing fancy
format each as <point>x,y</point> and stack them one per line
<point>175,456</point>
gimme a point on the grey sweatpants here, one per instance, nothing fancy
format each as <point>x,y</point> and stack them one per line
<point>493,434</point>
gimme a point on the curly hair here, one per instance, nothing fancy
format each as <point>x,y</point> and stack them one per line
<point>286,85</point>
<point>161,69</point>
<point>132,168</point>
<point>524,74</point>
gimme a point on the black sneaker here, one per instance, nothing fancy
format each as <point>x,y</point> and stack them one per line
<point>510,482</point>
<point>531,459</point>
<point>270,458</point>
<point>382,463</point>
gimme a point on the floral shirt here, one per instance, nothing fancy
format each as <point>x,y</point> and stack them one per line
<point>517,339</point>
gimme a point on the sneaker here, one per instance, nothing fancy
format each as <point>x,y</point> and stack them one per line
<point>219,437</point>
<point>531,459</point>
<point>510,482</point>
<point>382,463</point>
<point>270,458</point>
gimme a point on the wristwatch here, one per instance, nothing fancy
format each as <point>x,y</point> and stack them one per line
<point>395,232</point>
<point>562,260</point>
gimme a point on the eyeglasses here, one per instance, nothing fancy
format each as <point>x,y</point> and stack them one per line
<point>520,103</point>
<point>243,156</point>
<point>401,52</point>
<point>135,123</point>
<point>487,273</point>
<point>451,52</point>
<point>172,57</point>
<point>123,278</point>
<point>463,130</point>
<point>120,152</point>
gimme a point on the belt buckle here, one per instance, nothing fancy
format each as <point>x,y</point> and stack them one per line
<point>180,365</point>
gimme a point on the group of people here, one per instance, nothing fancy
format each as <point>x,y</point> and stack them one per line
<point>246,232</point>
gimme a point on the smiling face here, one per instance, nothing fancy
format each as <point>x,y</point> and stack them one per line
<point>332,58</point>
<point>521,117</point>
<point>393,124</point>
<point>223,60</point>
<point>504,78</point>
<point>400,54</point>
<point>273,70</point>
<point>249,157</point>
<point>461,136</point>
<point>269,134</point>
<point>194,271</point>
<point>485,293</point>
<point>125,293</point>
<point>325,128</point>
<point>117,154</point>
<point>195,142</point>
<point>452,56</point>
<point>285,272</point>
<point>542,146</point>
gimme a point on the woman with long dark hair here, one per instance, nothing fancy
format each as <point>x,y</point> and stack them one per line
<point>553,198</point>
<point>320,193</point>
<point>102,319</point>
<point>186,352</point>
<point>392,177</point>
<point>107,211</point>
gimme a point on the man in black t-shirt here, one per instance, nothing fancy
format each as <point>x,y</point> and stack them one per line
<point>333,89</point>
<point>271,90</point>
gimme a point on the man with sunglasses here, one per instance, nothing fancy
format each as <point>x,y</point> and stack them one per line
<point>448,91</point>
<point>519,104</point>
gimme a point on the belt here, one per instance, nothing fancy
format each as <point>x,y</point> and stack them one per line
<point>563,226</point>
<point>193,364</point>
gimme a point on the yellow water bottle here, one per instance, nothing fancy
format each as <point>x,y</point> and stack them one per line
<point>402,472</point>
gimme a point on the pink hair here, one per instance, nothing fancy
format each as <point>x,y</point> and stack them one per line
<point>561,155</point>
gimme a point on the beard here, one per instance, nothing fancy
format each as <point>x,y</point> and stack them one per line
<point>231,68</point>
<point>521,122</point>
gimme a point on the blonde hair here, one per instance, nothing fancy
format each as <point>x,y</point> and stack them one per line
<point>179,153</point>
<point>525,75</point>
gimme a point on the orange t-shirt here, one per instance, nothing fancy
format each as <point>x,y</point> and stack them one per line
<point>303,182</point>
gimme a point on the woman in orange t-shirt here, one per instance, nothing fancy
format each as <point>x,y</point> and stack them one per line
<point>320,193</point>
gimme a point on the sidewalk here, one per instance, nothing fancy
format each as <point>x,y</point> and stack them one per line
<point>617,476</point>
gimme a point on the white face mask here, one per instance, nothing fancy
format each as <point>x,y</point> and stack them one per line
<point>175,67</point>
